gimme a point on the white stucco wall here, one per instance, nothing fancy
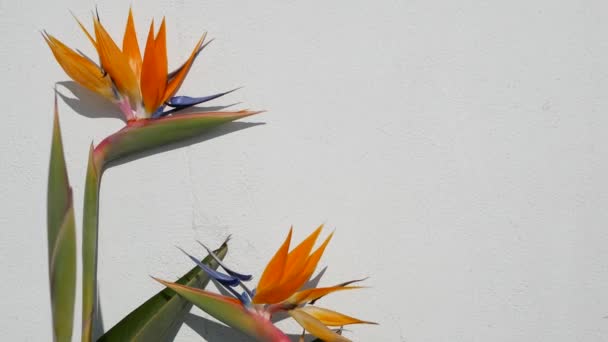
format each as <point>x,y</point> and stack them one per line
<point>458,148</point>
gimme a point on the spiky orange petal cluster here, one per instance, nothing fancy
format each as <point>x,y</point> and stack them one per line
<point>124,74</point>
<point>130,46</point>
<point>287,272</point>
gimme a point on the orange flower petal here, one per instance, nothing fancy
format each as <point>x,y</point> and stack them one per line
<point>284,289</point>
<point>332,318</point>
<point>315,327</point>
<point>86,32</point>
<point>154,69</point>
<point>114,62</point>
<point>130,47</point>
<point>148,76</point>
<point>160,50</point>
<point>80,68</point>
<point>296,281</point>
<point>178,79</point>
<point>308,295</point>
<point>296,260</point>
<point>273,272</point>
<point>313,260</point>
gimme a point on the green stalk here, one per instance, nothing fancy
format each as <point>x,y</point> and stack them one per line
<point>89,245</point>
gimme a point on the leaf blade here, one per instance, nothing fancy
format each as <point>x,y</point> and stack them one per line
<point>155,317</point>
<point>61,230</point>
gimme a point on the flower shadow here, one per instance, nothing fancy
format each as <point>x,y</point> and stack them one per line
<point>311,283</point>
<point>91,105</point>
<point>87,103</point>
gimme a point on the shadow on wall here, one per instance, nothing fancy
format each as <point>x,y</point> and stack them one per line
<point>216,332</point>
<point>91,105</point>
<point>98,326</point>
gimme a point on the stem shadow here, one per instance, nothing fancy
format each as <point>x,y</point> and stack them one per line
<point>87,103</point>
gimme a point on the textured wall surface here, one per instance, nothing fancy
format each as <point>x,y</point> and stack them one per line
<point>458,148</point>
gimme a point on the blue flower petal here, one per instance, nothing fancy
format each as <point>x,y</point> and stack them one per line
<point>245,299</point>
<point>224,279</point>
<point>242,277</point>
<point>187,101</point>
<point>159,112</point>
<point>183,102</point>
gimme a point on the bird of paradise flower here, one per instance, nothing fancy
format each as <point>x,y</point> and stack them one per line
<point>279,290</point>
<point>141,87</point>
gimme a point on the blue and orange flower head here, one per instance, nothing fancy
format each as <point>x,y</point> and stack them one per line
<point>280,289</point>
<point>141,87</point>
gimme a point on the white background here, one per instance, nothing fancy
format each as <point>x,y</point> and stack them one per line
<point>458,148</point>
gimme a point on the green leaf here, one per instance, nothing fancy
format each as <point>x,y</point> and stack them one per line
<point>231,312</point>
<point>153,319</point>
<point>61,233</point>
<point>137,136</point>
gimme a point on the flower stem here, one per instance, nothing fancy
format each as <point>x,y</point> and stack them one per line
<point>89,243</point>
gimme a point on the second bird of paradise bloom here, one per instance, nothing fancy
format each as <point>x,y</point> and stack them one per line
<point>140,86</point>
<point>280,289</point>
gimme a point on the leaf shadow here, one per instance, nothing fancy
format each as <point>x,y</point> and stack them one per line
<point>97,326</point>
<point>171,333</point>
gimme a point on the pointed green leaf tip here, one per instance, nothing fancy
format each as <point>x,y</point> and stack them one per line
<point>154,319</point>
<point>230,311</point>
<point>61,233</point>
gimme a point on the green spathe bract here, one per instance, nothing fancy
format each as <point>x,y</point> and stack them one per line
<point>61,233</point>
